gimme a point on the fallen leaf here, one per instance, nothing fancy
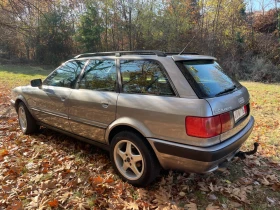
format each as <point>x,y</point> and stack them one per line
<point>182,194</point>
<point>48,184</point>
<point>276,187</point>
<point>6,188</point>
<point>191,206</point>
<point>265,182</point>
<point>270,200</point>
<point>97,180</point>
<point>53,203</point>
<point>17,205</point>
<point>212,197</point>
<point>132,206</point>
<point>211,207</point>
<point>245,181</point>
<point>109,180</point>
<point>211,187</point>
<point>235,204</point>
<point>4,152</point>
<point>64,197</point>
<point>203,187</point>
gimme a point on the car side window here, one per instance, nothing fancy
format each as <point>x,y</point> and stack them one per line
<point>99,75</point>
<point>66,75</point>
<point>146,77</point>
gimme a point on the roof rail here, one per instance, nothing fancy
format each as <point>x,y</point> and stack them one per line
<point>184,53</point>
<point>120,53</point>
<point>94,54</point>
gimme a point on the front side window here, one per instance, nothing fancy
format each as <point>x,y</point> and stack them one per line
<point>66,75</point>
<point>99,75</point>
<point>145,77</point>
<point>207,78</point>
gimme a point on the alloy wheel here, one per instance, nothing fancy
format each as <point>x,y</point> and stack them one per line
<point>129,160</point>
<point>22,118</point>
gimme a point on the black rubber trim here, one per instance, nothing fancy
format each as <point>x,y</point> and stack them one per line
<point>204,156</point>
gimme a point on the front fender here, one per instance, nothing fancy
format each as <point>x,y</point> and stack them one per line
<point>18,96</point>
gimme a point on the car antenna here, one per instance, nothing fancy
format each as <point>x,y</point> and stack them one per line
<point>186,46</point>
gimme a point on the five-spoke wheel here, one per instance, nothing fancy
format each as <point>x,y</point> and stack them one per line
<point>133,158</point>
<point>129,160</point>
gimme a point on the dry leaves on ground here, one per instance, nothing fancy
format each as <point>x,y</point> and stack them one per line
<point>49,170</point>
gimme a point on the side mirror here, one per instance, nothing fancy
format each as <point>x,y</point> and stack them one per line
<point>36,83</point>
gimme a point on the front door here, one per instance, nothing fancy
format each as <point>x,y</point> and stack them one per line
<point>49,104</point>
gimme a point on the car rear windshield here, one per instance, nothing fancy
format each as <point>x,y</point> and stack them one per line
<point>207,78</point>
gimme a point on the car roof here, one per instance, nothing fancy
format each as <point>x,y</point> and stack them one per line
<point>144,53</point>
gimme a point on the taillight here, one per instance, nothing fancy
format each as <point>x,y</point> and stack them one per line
<point>203,127</point>
<point>226,122</point>
<point>207,127</point>
<point>246,109</point>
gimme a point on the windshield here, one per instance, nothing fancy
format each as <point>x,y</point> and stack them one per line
<point>207,78</point>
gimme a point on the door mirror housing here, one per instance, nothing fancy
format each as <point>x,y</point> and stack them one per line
<point>36,83</point>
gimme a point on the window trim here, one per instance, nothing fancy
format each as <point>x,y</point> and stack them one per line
<point>162,69</point>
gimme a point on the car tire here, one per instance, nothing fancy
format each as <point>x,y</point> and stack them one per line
<point>133,159</point>
<point>26,122</point>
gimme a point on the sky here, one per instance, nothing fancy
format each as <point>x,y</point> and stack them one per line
<point>258,5</point>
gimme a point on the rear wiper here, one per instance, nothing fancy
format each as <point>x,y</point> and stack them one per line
<point>226,90</point>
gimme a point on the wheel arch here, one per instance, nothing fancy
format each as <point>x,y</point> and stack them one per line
<point>18,100</point>
<point>127,124</point>
<point>22,99</point>
<point>120,128</point>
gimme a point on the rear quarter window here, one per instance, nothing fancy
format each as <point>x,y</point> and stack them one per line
<point>144,77</point>
<point>207,78</point>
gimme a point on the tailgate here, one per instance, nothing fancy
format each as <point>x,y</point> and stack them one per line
<point>237,103</point>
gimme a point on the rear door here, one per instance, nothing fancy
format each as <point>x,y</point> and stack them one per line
<point>92,106</point>
<point>50,103</point>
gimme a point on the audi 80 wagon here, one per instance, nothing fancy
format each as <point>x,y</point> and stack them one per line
<point>150,109</point>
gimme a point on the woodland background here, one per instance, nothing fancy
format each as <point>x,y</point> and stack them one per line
<point>245,41</point>
<point>49,170</point>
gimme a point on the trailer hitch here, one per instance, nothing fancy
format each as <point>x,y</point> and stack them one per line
<point>242,155</point>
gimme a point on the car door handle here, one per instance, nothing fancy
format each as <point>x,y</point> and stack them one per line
<point>105,104</point>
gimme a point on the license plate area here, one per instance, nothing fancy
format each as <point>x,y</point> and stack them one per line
<point>239,113</point>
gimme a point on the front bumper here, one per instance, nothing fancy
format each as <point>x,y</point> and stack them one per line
<point>13,103</point>
<point>199,159</point>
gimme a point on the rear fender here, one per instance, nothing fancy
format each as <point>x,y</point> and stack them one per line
<point>137,125</point>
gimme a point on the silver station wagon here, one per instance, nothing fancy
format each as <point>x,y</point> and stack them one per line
<point>150,109</point>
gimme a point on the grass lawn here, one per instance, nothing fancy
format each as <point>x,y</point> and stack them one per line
<point>49,170</point>
<point>16,75</point>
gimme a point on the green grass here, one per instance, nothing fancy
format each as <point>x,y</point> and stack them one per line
<point>15,75</point>
<point>265,107</point>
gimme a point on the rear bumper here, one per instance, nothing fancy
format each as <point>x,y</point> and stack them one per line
<point>199,159</point>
